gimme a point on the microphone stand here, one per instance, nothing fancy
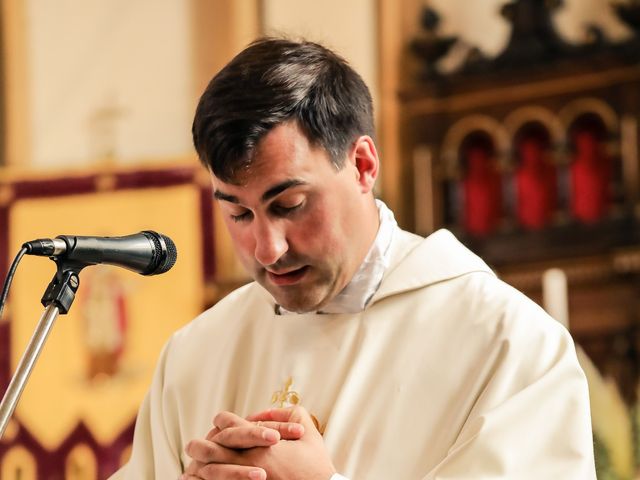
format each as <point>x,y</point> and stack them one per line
<point>57,299</point>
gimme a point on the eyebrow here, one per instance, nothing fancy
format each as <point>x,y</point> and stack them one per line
<point>281,187</point>
<point>269,194</point>
<point>226,197</point>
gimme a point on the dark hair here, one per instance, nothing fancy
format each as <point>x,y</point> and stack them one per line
<point>274,81</point>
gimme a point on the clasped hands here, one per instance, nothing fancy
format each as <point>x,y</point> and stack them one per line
<point>278,444</point>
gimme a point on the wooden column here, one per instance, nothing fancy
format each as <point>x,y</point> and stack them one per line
<point>221,29</point>
<point>390,47</point>
<point>15,88</point>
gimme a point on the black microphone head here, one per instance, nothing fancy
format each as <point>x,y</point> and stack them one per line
<point>165,253</point>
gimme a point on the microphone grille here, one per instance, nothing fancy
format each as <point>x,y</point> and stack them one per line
<point>166,253</point>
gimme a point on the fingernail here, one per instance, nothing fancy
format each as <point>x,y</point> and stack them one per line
<point>257,475</point>
<point>270,436</point>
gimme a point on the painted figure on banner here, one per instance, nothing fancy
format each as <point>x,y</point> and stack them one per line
<point>482,187</point>
<point>103,308</point>
<point>590,177</point>
<point>536,183</point>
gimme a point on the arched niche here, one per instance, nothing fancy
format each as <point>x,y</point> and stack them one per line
<point>593,110</point>
<point>532,131</point>
<point>461,130</point>
<point>594,173</point>
<point>581,106</point>
<point>479,189</point>
<point>520,119</point>
<point>533,194</point>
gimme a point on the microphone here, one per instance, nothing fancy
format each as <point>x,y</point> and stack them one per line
<point>146,253</point>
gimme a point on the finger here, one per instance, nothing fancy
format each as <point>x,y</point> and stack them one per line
<point>295,414</point>
<point>291,414</point>
<point>247,437</point>
<point>227,419</point>
<point>273,414</point>
<point>212,433</point>
<point>287,430</point>
<point>193,467</point>
<point>204,451</point>
<point>231,472</point>
<point>191,475</point>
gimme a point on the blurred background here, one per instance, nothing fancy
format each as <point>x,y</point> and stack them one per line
<point>512,123</point>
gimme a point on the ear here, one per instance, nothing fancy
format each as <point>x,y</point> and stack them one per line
<point>365,158</point>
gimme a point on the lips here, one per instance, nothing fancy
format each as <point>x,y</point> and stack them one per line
<point>289,278</point>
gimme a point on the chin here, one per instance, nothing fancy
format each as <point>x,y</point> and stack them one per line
<point>308,296</point>
<point>299,305</point>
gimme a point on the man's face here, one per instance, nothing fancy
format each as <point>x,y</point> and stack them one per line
<point>300,227</point>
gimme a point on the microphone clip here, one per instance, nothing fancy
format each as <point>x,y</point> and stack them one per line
<point>62,289</point>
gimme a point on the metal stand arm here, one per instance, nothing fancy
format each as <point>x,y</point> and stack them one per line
<point>27,362</point>
<point>57,299</point>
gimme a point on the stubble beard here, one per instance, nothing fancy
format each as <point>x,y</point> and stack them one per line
<point>311,294</point>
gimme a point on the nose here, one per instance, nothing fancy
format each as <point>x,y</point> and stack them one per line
<point>270,242</point>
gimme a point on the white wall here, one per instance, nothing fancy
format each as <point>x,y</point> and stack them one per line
<point>84,56</point>
<point>346,26</point>
<point>135,56</point>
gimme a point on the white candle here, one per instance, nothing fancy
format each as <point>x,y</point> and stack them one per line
<point>554,295</point>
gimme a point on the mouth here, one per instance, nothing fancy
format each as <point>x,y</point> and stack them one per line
<point>289,278</point>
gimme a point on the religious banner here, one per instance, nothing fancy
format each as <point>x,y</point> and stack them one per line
<point>75,417</point>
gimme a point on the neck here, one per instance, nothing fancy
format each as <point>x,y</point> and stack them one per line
<point>371,225</point>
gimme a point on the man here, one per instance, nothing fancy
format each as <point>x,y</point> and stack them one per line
<point>361,350</point>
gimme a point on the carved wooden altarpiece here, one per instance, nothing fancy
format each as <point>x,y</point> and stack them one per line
<point>531,158</point>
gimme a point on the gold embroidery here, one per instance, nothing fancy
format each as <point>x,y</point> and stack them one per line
<point>291,397</point>
<point>318,425</point>
<point>286,395</point>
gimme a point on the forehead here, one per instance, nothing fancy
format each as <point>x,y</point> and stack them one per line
<point>283,154</point>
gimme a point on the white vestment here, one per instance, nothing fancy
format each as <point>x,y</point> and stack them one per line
<point>448,373</point>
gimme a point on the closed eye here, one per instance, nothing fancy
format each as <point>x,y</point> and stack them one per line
<point>283,211</point>
<point>242,217</point>
<point>275,209</point>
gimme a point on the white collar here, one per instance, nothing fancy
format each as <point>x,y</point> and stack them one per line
<point>356,295</point>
